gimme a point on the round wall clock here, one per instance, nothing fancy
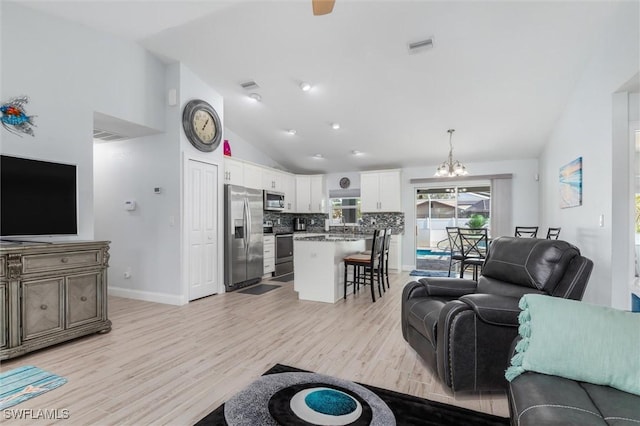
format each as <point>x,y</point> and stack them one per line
<point>202,125</point>
<point>345,182</point>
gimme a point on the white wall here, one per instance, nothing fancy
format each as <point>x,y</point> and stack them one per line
<point>585,130</point>
<point>69,72</point>
<point>244,150</point>
<point>525,195</point>
<point>333,180</point>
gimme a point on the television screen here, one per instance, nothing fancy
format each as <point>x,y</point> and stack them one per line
<point>37,198</point>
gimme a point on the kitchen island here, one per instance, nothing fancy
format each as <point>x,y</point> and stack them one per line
<point>318,265</point>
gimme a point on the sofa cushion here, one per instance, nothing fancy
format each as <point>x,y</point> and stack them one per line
<point>616,407</point>
<point>529,262</point>
<point>539,399</point>
<point>579,341</point>
<point>423,316</point>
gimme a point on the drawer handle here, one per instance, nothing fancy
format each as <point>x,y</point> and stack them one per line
<point>43,307</point>
<point>64,260</point>
<point>83,298</point>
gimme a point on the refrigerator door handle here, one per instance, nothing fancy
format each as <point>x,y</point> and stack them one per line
<point>246,200</point>
<point>245,219</point>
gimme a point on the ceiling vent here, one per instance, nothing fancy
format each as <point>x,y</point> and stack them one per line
<point>420,46</point>
<point>105,136</point>
<point>250,85</point>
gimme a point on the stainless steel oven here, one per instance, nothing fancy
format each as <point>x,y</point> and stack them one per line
<point>284,254</point>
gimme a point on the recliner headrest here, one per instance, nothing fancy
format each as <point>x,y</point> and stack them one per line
<point>530,262</point>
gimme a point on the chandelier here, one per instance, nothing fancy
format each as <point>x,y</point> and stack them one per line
<point>451,168</point>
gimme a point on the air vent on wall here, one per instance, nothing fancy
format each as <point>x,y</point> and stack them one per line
<point>249,85</point>
<point>420,46</point>
<point>105,136</point>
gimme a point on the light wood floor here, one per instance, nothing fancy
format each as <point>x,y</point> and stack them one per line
<point>165,364</point>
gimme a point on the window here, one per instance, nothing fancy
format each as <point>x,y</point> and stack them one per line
<point>345,210</point>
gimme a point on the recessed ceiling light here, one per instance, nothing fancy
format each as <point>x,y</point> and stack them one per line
<point>356,152</point>
<point>305,86</point>
<point>256,97</point>
<point>292,131</point>
<point>335,126</point>
<point>318,156</point>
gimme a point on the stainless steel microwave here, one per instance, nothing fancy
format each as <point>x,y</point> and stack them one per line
<point>273,201</point>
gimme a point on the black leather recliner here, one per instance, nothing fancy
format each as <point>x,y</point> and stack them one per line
<point>463,329</point>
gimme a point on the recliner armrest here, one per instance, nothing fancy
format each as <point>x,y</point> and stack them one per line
<point>494,309</point>
<point>448,287</point>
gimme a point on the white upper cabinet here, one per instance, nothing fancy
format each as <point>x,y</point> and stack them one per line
<point>302,193</point>
<point>289,189</point>
<point>311,194</point>
<point>272,180</point>
<point>233,172</point>
<point>380,191</point>
<point>252,176</point>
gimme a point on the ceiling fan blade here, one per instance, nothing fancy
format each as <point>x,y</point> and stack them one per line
<point>322,7</point>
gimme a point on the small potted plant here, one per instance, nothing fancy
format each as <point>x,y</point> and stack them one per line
<point>477,221</point>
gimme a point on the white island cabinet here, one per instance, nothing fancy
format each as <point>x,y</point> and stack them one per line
<point>319,267</point>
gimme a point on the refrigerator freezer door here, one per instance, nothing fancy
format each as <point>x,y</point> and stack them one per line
<point>235,236</point>
<point>255,253</point>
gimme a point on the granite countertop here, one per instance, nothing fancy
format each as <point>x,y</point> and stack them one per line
<point>335,237</point>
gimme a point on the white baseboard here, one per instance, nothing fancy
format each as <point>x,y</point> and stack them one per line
<point>149,296</point>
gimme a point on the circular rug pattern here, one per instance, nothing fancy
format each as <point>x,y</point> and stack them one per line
<point>306,399</point>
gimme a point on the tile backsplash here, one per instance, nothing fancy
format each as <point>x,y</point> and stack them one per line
<point>286,221</point>
<point>370,222</point>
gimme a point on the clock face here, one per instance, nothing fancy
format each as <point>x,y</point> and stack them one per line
<point>345,182</point>
<point>201,125</point>
<point>204,126</point>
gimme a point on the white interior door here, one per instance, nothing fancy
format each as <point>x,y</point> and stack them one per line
<point>202,217</point>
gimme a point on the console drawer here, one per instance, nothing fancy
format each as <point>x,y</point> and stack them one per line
<point>57,261</point>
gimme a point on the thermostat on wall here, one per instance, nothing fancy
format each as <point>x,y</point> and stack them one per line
<point>130,205</point>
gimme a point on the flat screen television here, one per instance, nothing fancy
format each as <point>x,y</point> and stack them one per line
<point>37,198</point>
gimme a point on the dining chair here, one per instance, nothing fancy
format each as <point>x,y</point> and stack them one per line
<point>526,231</point>
<point>475,242</point>
<point>553,233</point>
<point>366,267</point>
<point>455,247</point>
<point>385,256</point>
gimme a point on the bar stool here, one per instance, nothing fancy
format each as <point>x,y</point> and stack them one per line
<point>366,267</point>
<point>384,263</point>
<point>384,256</point>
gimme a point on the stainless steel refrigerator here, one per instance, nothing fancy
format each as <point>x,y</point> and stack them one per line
<point>243,249</point>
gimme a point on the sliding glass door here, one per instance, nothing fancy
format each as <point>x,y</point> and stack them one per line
<point>440,207</point>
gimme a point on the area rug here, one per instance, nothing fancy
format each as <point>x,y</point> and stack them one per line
<point>259,289</point>
<point>420,273</point>
<point>24,383</point>
<point>289,396</point>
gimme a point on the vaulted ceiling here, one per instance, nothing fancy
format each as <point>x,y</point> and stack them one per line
<point>499,72</point>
